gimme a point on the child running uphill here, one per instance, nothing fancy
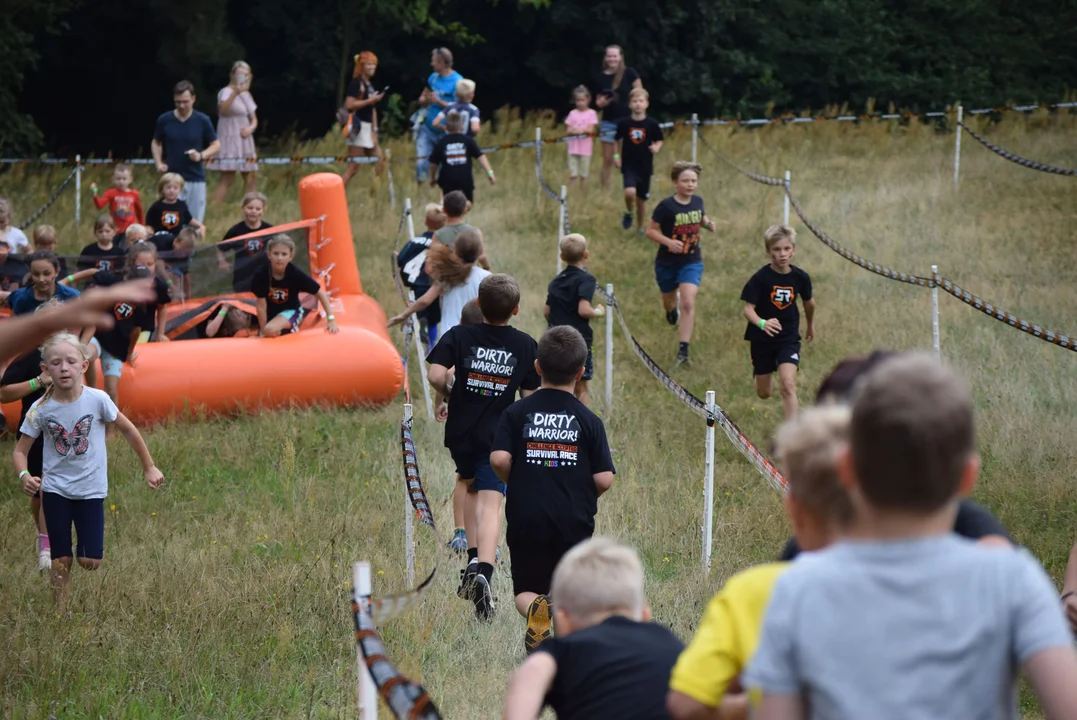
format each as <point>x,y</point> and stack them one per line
<point>492,362</point>
<point>951,622</point>
<point>123,202</point>
<point>608,660</point>
<point>678,267</point>
<point>553,454</point>
<point>450,160</point>
<point>412,263</point>
<point>456,207</point>
<point>773,319</point>
<point>74,482</point>
<point>278,287</point>
<point>250,252</point>
<point>568,302</point>
<point>639,138</point>
<point>583,120</point>
<point>170,213</point>
<point>469,114</point>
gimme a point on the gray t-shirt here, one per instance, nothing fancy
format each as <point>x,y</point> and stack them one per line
<point>446,234</point>
<point>921,629</point>
<point>75,460</point>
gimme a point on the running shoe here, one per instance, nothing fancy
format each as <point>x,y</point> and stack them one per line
<point>673,316</point>
<point>539,623</point>
<point>44,553</point>
<point>459,541</point>
<point>626,221</point>
<point>682,358</point>
<point>483,597</point>
<point>466,591</point>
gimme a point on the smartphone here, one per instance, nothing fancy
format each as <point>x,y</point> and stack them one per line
<point>385,89</point>
<point>241,78</point>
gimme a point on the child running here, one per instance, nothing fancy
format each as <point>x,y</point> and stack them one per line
<point>492,362</point>
<point>44,273</point>
<point>116,344</point>
<point>74,480</point>
<point>250,252</point>
<point>469,114</point>
<point>105,253</point>
<point>639,138</point>
<point>277,288</point>
<point>951,623</point>
<point>450,160</point>
<point>583,120</point>
<point>678,267</point>
<point>568,302</point>
<point>608,659</point>
<point>773,319</point>
<point>170,213</point>
<point>412,263</point>
<point>553,454</point>
<point>456,207</point>
<point>123,202</point>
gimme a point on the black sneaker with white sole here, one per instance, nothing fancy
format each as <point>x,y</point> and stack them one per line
<point>483,597</point>
<point>466,591</point>
<point>626,221</point>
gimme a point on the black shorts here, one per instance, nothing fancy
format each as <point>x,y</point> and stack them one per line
<point>476,468</point>
<point>88,517</point>
<point>468,190</point>
<point>637,180</point>
<point>533,563</point>
<point>767,356</point>
<point>588,366</point>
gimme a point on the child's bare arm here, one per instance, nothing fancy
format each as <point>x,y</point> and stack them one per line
<point>654,234</point>
<point>154,477</point>
<point>603,481</point>
<point>771,327</point>
<point>476,127</point>
<point>330,321</point>
<point>485,162</point>
<point>132,343</point>
<point>709,224</point>
<point>586,310</point>
<point>528,687</point>
<point>438,376</point>
<point>79,276</point>
<point>546,311</point>
<point>617,152</point>
<point>420,304</point>
<point>260,305</point>
<point>214,325</point>
<point>501,462</point>
<point>1053,674</point>
<point>162,323</point>
<point>809,316</point>
<point>656,146</point>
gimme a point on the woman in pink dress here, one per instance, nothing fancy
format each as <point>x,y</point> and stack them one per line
<point>236,124</point>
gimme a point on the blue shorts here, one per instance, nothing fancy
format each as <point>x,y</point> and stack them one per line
<point>294,318</point>
<point>669,277</point>
<point>110,366</point>
<point>476,468</point>
<point>607,132</point>
<point>88,517</point>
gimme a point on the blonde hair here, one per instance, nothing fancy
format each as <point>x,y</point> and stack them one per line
<point>142,231</point>
<point>573,247</point>
<point>639,92</point>
<point>775,233</point>
<point>169,177</point>
<point>599,576</point>
<point>280,240</point>
<point>465,88</point>
<point>51,342</point>
<point>435,216</point>
<point>44,234</point>
<point>187,234</point>
<point>581,91</point>
<point>252,196</point>
<point>807,449</point>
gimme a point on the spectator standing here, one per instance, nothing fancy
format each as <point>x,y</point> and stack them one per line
<point>361,131</point>
<point>439,92</point>
<point>236,122</point>
<point>182,140</point>
<point>611,88</point>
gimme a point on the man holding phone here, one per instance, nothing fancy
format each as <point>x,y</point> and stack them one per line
<point>182,140</point>
<point>439,92</point>
<point>360,102</point>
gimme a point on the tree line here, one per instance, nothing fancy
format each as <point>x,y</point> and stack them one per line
<point>74,77</point>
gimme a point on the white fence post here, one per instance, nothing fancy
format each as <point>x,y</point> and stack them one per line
<point>708,488</point>
<point>609,350</point>
<point>389,176</point>
<point>935,312</point>
<point>417,332</point>
<point>78,190</point>
<point>409,520</point>
<point>538,162</point>
<point>411,221</point>
<point>695,135</point>
<point>785,200</point>
<point>561,227</point>
<point>957,145</point>
<point>368,691</point>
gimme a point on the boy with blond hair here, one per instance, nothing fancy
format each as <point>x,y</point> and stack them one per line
<point>469,114</point>
<point>638,138</point>
<point>770,308</point>
<point>568,302</point>
<point>902,618</point>
<point>608,660</point>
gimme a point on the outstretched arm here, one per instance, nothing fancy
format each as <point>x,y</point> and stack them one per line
<point>528,687</point>
<point>154,477</point>
<point>421,304</point>
<point>330,321</point>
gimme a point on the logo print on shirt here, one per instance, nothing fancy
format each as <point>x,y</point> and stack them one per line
<point>637,135</point>
<point>78,439</point>
<point>254,246</point>
<point>552,439</point>
<point>278,295</point>
<point>123,311</point>
<point>170,219</point>
<point>105,265</point>
<point>455,153</point>
<point>489,370</point>
<point>782,297</point>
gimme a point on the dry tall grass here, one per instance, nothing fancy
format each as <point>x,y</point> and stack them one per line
<point>224,593</point>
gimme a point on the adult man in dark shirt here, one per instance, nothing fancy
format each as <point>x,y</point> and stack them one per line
<point>182,140</point>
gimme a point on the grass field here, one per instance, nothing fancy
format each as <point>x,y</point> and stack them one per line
<point>224,594</point>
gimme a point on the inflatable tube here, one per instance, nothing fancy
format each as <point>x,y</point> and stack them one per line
<point>359,366</point>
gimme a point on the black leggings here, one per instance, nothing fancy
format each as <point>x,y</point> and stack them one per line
<point>88,517</point>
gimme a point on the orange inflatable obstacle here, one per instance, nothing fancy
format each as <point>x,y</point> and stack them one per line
<point>357,366</point>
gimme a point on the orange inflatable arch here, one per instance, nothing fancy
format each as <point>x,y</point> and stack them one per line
<point>358,366</point>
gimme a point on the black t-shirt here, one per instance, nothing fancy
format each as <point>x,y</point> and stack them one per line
<point>360,89</point>
<point>171,217</point>
<point>283,294</point>
<point>492,362</point>
<point>23,369</point>
<point>775,296</point>
<point>617,669</point>
<point>618,107</point>
<point>12,272</point>
<point>412,262</point>
<point>636,137</point>
<point>452,154</point>
<point>680,222</point>
<point>557,448</point>
<point>116,341</point>
<point>250,254</point>
<point>564,295</point>
<point>93,256</point>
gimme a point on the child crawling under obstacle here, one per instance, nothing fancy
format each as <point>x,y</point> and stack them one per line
<point>278,289</point>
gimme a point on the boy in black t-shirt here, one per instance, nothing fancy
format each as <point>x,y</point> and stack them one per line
<point>773,319</point>
<point>412,263</point>
<point>639,138</point>
<point>552,451</point>
<point>608,659</point>
<point>450,160</point>
<point>169,212</point>
<point>492,362</point>
<point>678,267</point>
<point>568,302</point>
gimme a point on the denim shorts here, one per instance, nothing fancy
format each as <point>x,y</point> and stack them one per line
<point>669,277</point>
<point>607,131</point>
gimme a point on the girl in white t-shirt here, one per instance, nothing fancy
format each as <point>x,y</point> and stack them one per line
<point>15,238</point>
<point>74,478</point>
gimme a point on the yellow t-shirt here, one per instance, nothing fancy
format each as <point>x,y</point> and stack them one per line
<point>727,637</point>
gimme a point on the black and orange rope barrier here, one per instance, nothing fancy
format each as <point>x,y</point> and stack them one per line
<point>1001,152</point>
<point>52,199</point>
